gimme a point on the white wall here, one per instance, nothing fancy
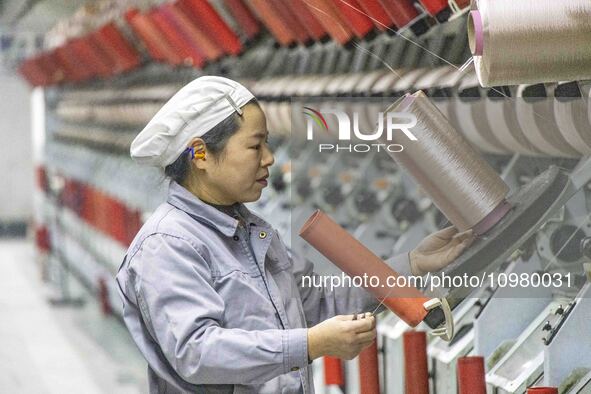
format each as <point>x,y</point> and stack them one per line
<point>16,162</point>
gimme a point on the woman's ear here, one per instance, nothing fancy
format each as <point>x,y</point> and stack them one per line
<point>197,146</point>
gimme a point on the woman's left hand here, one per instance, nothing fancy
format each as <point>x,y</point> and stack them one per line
<point>438,250</point>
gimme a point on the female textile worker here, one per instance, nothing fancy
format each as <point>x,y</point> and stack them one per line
<point>211,296</point>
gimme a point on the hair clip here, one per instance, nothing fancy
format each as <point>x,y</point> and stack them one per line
<point>233,104</point>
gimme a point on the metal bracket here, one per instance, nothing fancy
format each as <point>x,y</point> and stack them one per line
<point>534,204</point>
<point>446,330</point>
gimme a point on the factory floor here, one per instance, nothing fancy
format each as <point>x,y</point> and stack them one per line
<point>55,348</point>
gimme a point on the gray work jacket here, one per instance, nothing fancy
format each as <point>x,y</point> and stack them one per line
<point>216,310</point>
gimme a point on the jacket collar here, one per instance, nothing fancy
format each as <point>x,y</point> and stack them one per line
<point>186,201</point>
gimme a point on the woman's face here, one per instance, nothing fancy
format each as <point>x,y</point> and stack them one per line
<point>241,171</point>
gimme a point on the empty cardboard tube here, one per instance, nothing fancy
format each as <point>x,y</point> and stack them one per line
<point>542,390</point>
<point>434,7</point>
<point>357,20</point>
<point>33,73</point>
<point>331,20</point>
<point>192,32</point>
<point>471,379</point>
<point>377,13</point>
<point>244,17</point>
<point>49,62</point>
<point>72,70</point>
<point>85,49</point>
<point>158,48</point>
<point>270,18</point>
<point>212,24</point>
<point>290,21</point>
<point>369,375</point>
<point>118,49</point>
<point>337,245</point>
<point>173,33</point>
<point>402,12</point>
<point>307,19</point>
<point>416,371</point>
<point>333,371</point>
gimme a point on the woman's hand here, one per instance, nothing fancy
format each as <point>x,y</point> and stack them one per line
<point>438,250</point>
<point>341,336</point>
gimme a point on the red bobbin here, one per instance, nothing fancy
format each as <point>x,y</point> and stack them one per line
<point>471,379</point>
<point>542,390</point>
<point>333,371</point>
<point>369,375</point>
<point>416,371</point>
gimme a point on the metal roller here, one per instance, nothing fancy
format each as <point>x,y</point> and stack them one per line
<point>365,84</point>
<point>127,115</point>
<point>148,93</point>
<point>334,86</point>
<point>407,81</point>
<point>261,87</point>
<point>382,87</point>
<point>74,113</point>
<point>298,122</point>
<point>310,86</point>
<point>433,77</point>
<point>349,84</point>
<point>283,109</point>
<point>276,92</point>
<point>96,137</point>
<point>470,99</point>
<point>261,90</point>
<point>284,117</point>
<point>330,100</point>
<point>346,91</point>
<point>535,116</point>
<point>270,107</point>
<point>363,89</point>
<point>317,86</point>
<point>136,114</point>
<point>570,112</point>
<point>443,93</point>
<point>501,123</point>
<point>336,89</point>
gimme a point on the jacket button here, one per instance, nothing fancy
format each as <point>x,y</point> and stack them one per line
<point>295,369</point>
<point>236,238</point>
<point>262,235</point>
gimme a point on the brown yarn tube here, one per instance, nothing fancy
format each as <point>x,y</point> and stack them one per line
<point>333,371</point>
<point>331,20</point>
<point>457,179</point>
<point>542,390</point>
<point>416,371</point>
<point>354,259</point>
<point>471,379</point>
<point>369,373</point>
<point>271,19</point>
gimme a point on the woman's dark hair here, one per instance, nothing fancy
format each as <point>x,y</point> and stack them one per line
<point>215,141</point>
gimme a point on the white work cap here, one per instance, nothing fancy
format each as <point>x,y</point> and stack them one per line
<point>191,112</point>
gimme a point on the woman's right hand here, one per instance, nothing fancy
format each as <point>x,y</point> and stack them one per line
<point>341,336</point>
